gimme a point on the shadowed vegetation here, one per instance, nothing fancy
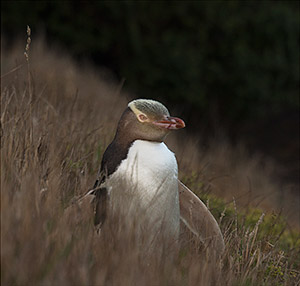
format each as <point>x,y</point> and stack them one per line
<point>239,57</point>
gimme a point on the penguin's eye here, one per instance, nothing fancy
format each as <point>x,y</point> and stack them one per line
<point>142,117</point>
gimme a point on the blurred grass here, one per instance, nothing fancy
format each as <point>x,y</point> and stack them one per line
<point>53,134</point>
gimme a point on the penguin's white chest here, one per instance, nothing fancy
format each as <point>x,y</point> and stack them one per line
<point>150,175</point>
<point>150,168</point>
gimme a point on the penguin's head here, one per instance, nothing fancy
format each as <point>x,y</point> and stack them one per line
<point>149,120</point>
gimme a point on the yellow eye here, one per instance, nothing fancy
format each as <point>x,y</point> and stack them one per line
<point>142,117</point>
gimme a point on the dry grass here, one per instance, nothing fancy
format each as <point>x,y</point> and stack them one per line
<point>56,120</point>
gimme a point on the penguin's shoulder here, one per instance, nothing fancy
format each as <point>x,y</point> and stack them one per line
<point>112,157</point>
<point>146,158</point>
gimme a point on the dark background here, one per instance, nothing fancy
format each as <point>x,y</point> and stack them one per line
<point>227,67</point>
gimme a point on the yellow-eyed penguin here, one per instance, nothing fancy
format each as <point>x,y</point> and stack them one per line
<point>139,175</point>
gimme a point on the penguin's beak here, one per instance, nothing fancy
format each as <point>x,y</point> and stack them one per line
<point>171,123</point>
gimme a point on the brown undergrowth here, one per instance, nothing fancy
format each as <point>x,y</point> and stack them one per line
<point>56,120</point>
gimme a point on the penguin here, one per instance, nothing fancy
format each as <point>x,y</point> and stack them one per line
<point>139,177</point>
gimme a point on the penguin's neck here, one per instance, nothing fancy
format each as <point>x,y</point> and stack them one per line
<point>125,139</point>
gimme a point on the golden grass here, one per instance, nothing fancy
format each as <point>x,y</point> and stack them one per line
<point>56,120</point>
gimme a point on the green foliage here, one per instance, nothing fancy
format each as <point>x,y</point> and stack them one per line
<point>273,236</point>
<point>242,58</point>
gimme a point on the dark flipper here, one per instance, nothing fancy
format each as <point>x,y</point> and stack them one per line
<point>112,158</point>
<point>101,201</point>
